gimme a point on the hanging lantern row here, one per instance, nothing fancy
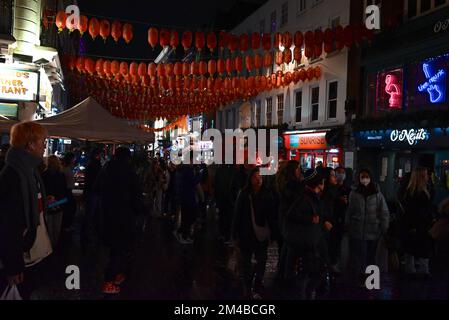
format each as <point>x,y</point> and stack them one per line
<point>95,27</point>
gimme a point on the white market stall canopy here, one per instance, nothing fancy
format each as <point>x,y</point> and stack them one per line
<point>90,121</point>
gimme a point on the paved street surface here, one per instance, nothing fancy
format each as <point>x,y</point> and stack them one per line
<point>167,270</point>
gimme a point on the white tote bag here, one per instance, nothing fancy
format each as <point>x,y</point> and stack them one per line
<point>262,233</point>
<point>11,293</point>
<point>42,245</point>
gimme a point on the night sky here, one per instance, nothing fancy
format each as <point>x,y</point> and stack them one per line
<point>181,15</point>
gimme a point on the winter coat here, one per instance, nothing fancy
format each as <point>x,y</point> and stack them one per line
<point>121,202</point>
<point>292,191</point>
<point>55,184</point>
<point>367,215</point>
<point>186,185</point>
<point>416,223</point>
<point>92,171</point>
<point>242,226</point>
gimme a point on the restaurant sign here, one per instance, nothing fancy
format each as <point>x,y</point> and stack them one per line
<point>18,85</point>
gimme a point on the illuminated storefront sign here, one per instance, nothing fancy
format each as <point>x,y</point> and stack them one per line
<point>18,85</point>
<point>309,141</point>
<point>435,85</point>
<point>389,89</point>
<point>412,136</point>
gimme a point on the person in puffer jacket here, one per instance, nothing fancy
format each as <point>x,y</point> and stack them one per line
<point>367,219</point>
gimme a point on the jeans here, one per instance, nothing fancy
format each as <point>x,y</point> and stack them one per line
<point>260,251</point>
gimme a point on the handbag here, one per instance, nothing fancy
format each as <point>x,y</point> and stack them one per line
<point>10,293</point>
<point>262,233</point>
<point>41,248</point>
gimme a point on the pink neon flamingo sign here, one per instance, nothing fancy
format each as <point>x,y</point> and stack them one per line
<point>394,90</point>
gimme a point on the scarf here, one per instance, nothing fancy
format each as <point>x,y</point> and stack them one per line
<point>26,164</point>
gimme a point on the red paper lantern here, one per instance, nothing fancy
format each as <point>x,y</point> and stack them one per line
<point>80,64</point>
<point>153,37</point>
<point>133,69</point>
<point>297,54</point>
<point>249,62</point>
<point>239,64</point>
<point>230,66</point>
<point>61,18</point>
<point>233,43</point>
<point>221,66</point>
<point>142,70</point>
<point>94,28</point>
<point>164,38</point>
<point>178,69</point>
<point>174,39</point>
<point>258,61</point>
<point>255,41</point>
<point>223,40</point>
<point>318,72</point>
<point>161,70</point>
<point>244,42</point>
<point>212,67</point>
<point>105,29</point>
<point>116,30</point>
<point>186,41</point>
<point>318,38</point>
<point>277,40</point>
<point>302,75</point>
<point>128,32</point>
<point>99,67</point>
<point>186,69</point>
<point>169,69</point>
<point>279,57</point>
<point>89,65</point>
<point>107,68</point>
<point>309,52</point>
<point>268,60</point>
<point>200,40</point>
<point>266,41</point>
<point>310,74</point>
<point>115,67</point>
<point>152,69</point>
<point>288,78</point>
<point>296,77</point>
<point>124,68</point>
<point>298,39</point>
<point>194,68</point>
<point>287,56</point>
<point>318,51</point>
<point>211,41</point>
<point>309,39</point>
<point>287,40</point>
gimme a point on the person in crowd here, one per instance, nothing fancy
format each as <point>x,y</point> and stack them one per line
<point>55,186</point>
<point>290,188</point>
<point>121,203</point>
<point>367,219</point>
<point>186,194</point>
<point>222,187</point>
<point>91,200</point>
<point>416,223</point>
<point>165,183</point>
<point>252,224</point>
<point>339,212</point>
<point>304,236</point>
<point>23,206</point>
<point>3,150</point>
<point>170,203</point>
<point>68,163</point>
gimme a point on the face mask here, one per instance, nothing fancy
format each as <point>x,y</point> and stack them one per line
<point>341,177</point>
<point>365,181</point>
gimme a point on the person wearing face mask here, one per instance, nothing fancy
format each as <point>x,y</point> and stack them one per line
<point>304,236</point>
<point>367,219</point>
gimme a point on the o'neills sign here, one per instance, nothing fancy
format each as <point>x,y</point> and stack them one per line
<point>412,136</point>
<point>18,85</point>
<point>307,141</point>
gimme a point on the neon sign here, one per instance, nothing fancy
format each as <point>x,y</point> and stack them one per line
<point>394,90</point>
<point>412,136</point>
<point>435,84</point>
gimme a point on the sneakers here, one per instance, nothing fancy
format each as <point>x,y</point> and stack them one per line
<point>110,288</point>
<point>119,279</point>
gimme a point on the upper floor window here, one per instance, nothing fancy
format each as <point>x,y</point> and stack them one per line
<point>6,14</point>
<point>315,103</point>
<point>302,6</point>
<point>284,14</point>
<point>298,105</point>
<point>332,100</point>
<point>280,110</point>
<point>273,22</point>
<point>415,8</point>
<point>269,111</point>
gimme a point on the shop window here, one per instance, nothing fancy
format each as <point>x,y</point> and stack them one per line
<point>284,14</point>
<point>315,97</point>
<point>280,109</point>
<point>269,102</point>
<point>298,106</point>
<point>332,100</point>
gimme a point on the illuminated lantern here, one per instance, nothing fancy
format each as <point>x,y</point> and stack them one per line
<point>298,39</point>
<point>203,83</point>
<point>210,83</point>
<point>164,38</point>
<point>249,62</point>
<point>287,56</point>
<point>288,78</point>
<point>194,68</point>
<point>61,19</point>
<point>153,37</point>
<point>309,39</point>
<point>200,40</point>
<point>133,69</point>
<point>105,29</point>
<point>163,82</point>
<point>258,61</point>
<point>123,68</point>
<point>99,67</point>
<point>186,69</point>
<point>223,40</point>
<point>296,77</point>
<point>146,80</point>
<point>211,41</point>
<point>263,83</point>
<point>228,84</point>
<point>309,52</point>
<point>80,64</point>
<point>279,57</point>
<point>169,69</point>
<point>339,38</point>
<point>328,40</point>
<point>297,54</point>
<point>238,64</point>
<point>152,70</point>
<point>161,70</point>
<point>255,41</point>
<point>287,40</point>
<point>348,36</point>
<point>251,83</point>
<point>268,60</point>
<point>277,40</point>
<point>94,28</point>
<point>174,39</point>
<point>302,75</point>
<point>230,66</point>
<point>115,67</point>
<point>279,79</point>
<point>318,38</point>
<point>235,82</point>
<point>107,68</point>
<point>318,51</point>
<point>194,84</point>
<point>269,85</point>
<point>218,84</point>
<point>116,30</point>
<point>310,74</point>
<point>89,65</point>
<point>178,69</point>
<point>212,67</point>
<point>244,42</point>
<point>318,72</point>
<point>186,40</point>
<point>128,32</point>
<point>266,41</point>
<point>221,66</point>
<point>233,43</point>
<point>273,79</point>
